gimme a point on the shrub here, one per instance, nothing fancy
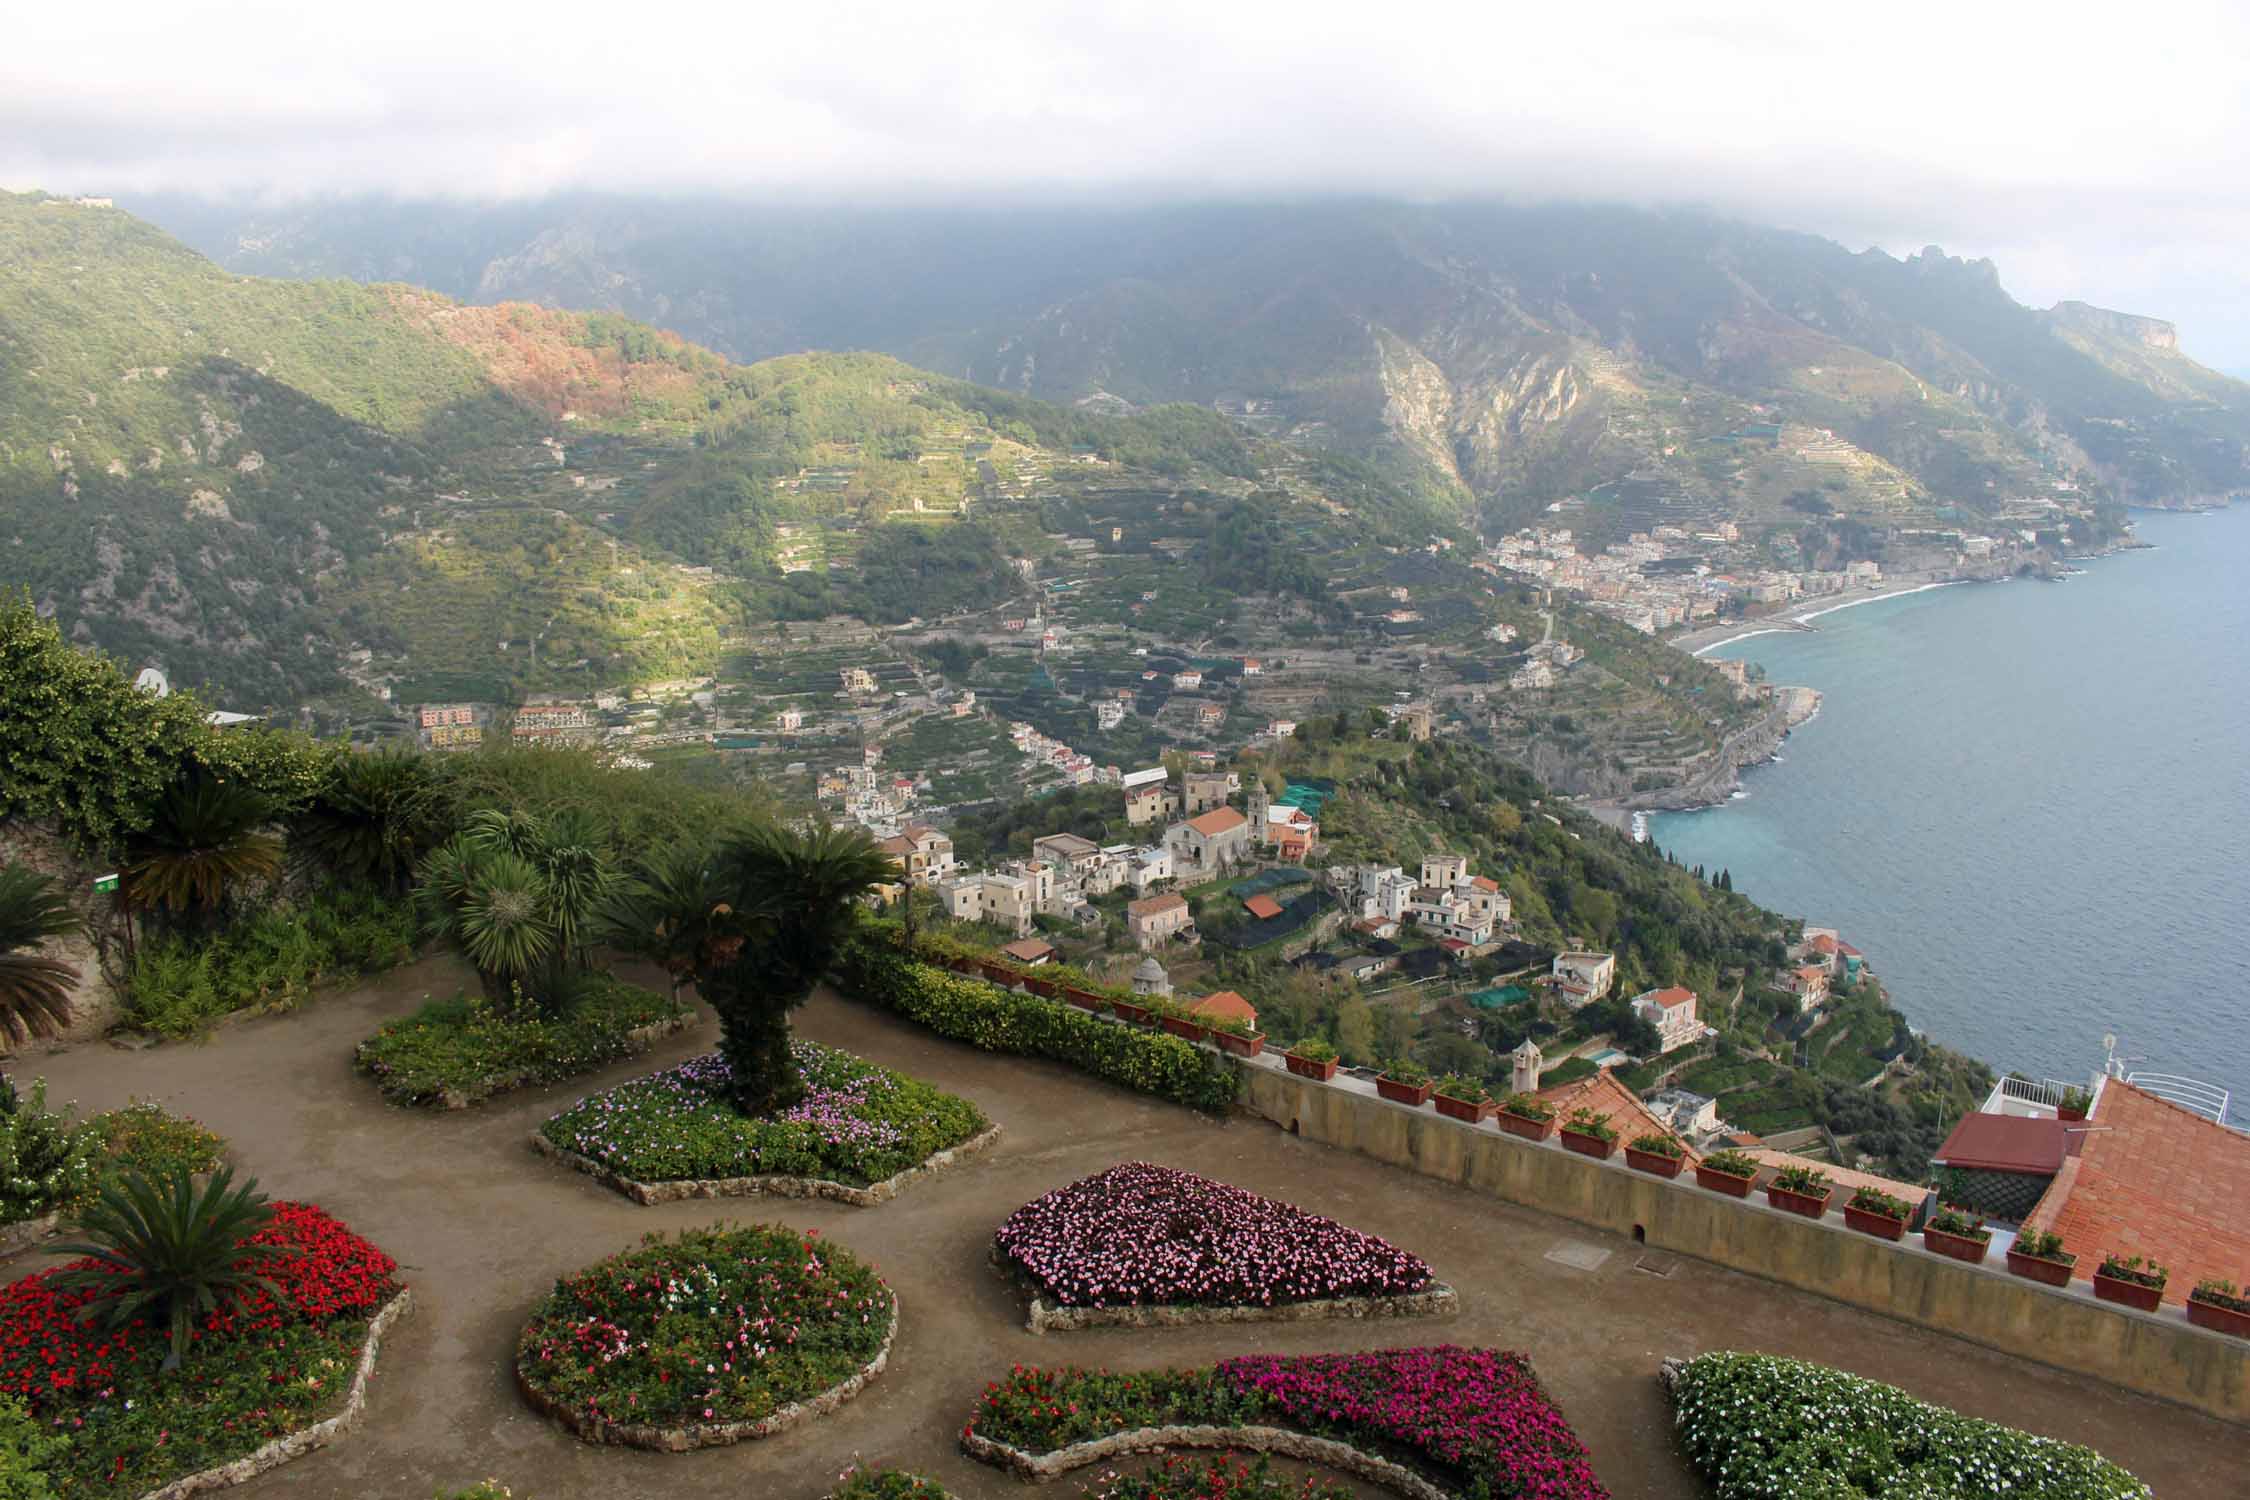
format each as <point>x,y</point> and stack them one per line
<point>143,1138</point>
<point>28,1450</point>
<point>715,1325</point>
<point>464,1050</point>
<point>1656,1143</point>
<point>1474,1419</point>
<point>46,1163</point>
<point>1732,1163</point>
<point>1313,1049</point>
<point>1464,1088</point>
<point>1141,1234</point>
<point>857,1123</point>
<point>2133,1269</point>
<point>2042,1244</point>
<point>1528,1107</point>
<point>1757,1426</point>
<point>997,1020</point>
<point>1407,1071</point>
<point>1590,1121</point>
<point>1810,1181</point>
<point>272,958</point>
<point>1873,1200</point>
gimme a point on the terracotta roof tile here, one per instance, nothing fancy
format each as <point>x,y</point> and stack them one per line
<point>1262,906</point>
<point>1217,821</point>
<point>1619,1105</point>
<point>2154,1180</point>
<point>1150,906</point>
<point>2005,1143</point>
<point>1226,1003</point>
<point>1846,1179</point>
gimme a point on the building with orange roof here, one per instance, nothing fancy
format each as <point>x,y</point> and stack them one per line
<point>1672,1012</point>
<point>1226,1005</point>
<point>1209,843</point>
<point>1262,906</point>
<point>1157,919</point>
<point>2153,1179</point>
<point>1615,1103</point>
<point>1847,1180</point>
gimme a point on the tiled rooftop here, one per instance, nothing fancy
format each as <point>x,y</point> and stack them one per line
<point>1614,1102</point>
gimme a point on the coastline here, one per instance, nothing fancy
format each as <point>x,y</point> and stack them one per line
<point>1800,615</point>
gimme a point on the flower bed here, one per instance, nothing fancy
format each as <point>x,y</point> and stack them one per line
<point>863,1483</point>
<point>1471,1419</point>
<point>1758,1426</point>
<point>454,1053</point>
<point>711,1337</point>
<point>1222,1477</point>
<point>256,1371</point>
<point>1141,1235</point>
<point>1000,1020</point>
<point>857,1124</point>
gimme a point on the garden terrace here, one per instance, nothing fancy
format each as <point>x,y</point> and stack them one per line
<point>484,1228</point>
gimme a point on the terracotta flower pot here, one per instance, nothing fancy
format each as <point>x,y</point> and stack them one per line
<point>2039,1268</point>
<point>1046,988</point>
<point>1722,1182</point>
<point>1655,1163</point>
<point>1128,1011</point>
<point>1000,973</point>
<point>1305,1067</point>
<point>2218,1319</point>
<point>1463,1109</point>
<point>1240,1046</point>
<point>1412,1094</point>
<point>1182,1026</point>
<point>1524,1125</point>
<point>1587,1145</point>
<point>2069,1115</point>
<point>1882,1226</point>
<point>1811,1205</point>
<point>2127,1293</point>
<point>1086,1000</point>
<point>966,966</point>
<point>1964,1247</point>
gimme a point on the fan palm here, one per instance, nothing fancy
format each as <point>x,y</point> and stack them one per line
<point>170,1250</point>
<point>206,838</point>
<point>661,909</point>
<point>34,990</point>
<point>787,902</point>
<point>373,819</point>
<point>493,905</point>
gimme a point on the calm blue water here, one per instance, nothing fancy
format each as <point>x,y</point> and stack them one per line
<point>2029,804</point>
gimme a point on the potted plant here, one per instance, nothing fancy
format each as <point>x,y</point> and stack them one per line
<point>2038,1255</point>
<point>2075,1103</point>
<point>1085,999</point>
<point>1233,1034</point>
<point>1656,1153</point>
<point>1404,1081</point>
<point>2130,1282</point>
<point>1312,1058</point>
<point>1460,1097</point>
<point>1182,1022</point>
<point>1956,1233</point>
<point>1800,1190</point>
<point>1045,989</point>
<point>1589,1133</point>
<point>1870,1210</point>
<point>2220,1306</point>
<point>999,973</point>
<point>1729,1172</point>
<point>1526,1115</point>
<point>1132,1010</point>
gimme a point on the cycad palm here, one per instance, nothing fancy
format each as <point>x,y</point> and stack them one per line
<point>661,910</point>
<point>373,819</point>
<point>171,1251</point>
<point>493,906</point>
<point>34,990</point>
<point>787,903</point>
<point>205,840</point>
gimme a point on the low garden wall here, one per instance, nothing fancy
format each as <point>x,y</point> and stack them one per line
<point>2158,1354</point>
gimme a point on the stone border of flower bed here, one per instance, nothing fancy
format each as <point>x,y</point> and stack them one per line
<point>1042,1468</point>
<point>693,1435</point>
<point>771,1185</point>
<point>292,1445</point>
<point>25,1234</point>
<point>493,1085</point>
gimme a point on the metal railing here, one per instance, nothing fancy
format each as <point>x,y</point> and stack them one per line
<point>2189,1093</point>
<point>2047,1091</point>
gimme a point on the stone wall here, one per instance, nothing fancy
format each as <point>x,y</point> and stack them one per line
<point>2157,1354</point>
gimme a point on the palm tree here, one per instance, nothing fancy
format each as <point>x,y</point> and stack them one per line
<point>787,904</point>
<point>568,850</point>
<point>34,990</point>
<point>492,905</point>
<point>171,1251</point>
<point>374,818</point>
<point>661,910</point>
<point>207,838</point>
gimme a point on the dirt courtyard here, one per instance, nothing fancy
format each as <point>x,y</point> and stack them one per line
<point>481,1226</point>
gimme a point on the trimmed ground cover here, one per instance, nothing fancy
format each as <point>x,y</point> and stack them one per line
<point>456,1052</point>
<point>1141,1234</point>
<point>857,1124</point>
<point>1024,1025</point>
<point>713,1336</point>
<point>1475,1421</point>
<point>1758,1426</point>
<point>257,1370</point>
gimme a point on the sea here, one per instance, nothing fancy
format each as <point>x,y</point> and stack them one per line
<point>2029,804</point>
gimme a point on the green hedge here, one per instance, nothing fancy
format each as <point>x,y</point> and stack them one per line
<point>997,1020</point>
<point>463,1050</point>
<point>1758,1426</point>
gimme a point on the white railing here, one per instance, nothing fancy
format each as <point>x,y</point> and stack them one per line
<point>2047,1091</point>
<point>2189,1093</point>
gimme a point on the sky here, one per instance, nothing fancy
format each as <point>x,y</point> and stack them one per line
<point>2100,152</point>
